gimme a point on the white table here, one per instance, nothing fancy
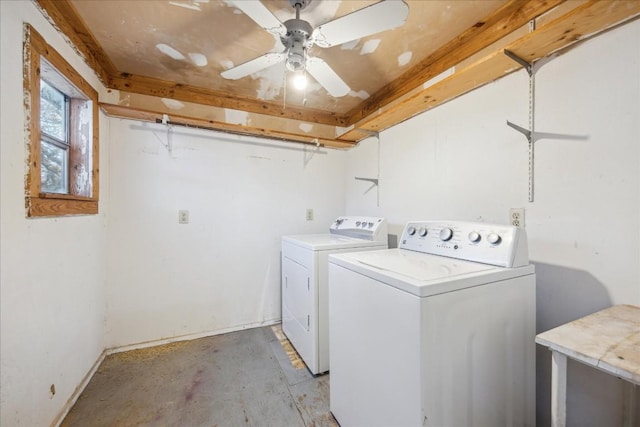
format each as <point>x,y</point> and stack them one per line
<point>608,340</point>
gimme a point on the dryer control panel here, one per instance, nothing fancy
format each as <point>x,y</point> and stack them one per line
<point>361,227</point>
<point>501,245</point>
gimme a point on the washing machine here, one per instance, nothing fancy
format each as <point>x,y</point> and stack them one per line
<point>304,282</point>
<point>437,332</point>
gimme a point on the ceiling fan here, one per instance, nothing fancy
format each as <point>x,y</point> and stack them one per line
<point>298,36</point>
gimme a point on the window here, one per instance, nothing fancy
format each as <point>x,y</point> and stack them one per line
<point>62,134</point>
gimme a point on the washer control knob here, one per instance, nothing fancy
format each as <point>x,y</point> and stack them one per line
<point>494,238</point>
<point>411,230</point>
<point>474,237</point>
<point>370,224</point>
<point>339,221</point>
<point>422,231</point>
<point>358,223</point>
<point>446,234</point>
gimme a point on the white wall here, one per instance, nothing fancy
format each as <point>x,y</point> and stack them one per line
<point>460,161</point>
<point>222,270</point>
<point>160,279</point>
<point>52,271</point>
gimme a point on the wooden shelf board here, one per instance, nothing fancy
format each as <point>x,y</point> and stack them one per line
<point>580,23</point>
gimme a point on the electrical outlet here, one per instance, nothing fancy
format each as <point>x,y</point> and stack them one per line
<point>516,217</point>
<point>309,214</point>
<point>183,217</point>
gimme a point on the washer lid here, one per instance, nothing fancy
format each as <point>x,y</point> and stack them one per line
<point>423,274</point>
<point>324,242</point>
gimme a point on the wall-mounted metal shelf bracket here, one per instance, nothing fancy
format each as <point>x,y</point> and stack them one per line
<point>529,134</point>
<point>308,155</point>
<point>374,181</point>
<point>526,65</point>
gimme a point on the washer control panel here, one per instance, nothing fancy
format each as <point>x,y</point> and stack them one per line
<point>362,227</point>
<point>501,245</point>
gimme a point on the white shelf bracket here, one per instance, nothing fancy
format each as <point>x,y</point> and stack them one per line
<point>374,181</point>
<point>529,134</point>
<point>308,155</point>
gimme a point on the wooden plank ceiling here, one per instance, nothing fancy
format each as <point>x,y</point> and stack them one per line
<point>161,60</point>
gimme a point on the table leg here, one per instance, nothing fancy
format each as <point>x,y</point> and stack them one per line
<point>558,389</point>
<point>629,410</point>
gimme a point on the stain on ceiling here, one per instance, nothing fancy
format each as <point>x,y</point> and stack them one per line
<point>192,42</point>
<point>168,56</point>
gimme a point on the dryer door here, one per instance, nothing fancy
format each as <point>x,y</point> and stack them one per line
<point>297,308</point>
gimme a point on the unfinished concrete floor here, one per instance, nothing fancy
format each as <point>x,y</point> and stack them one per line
<point>242,378</point>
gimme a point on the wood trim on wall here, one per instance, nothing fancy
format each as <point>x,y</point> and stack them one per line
<point>38,204</point>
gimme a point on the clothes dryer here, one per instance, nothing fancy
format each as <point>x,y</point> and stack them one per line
<point>304,282</point>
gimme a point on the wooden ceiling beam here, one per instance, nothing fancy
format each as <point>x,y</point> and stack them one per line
<point>157,117</point>
<point>64,16</point>
<point>509,17</point>
<point>583,21</point>
<point>181,92</point>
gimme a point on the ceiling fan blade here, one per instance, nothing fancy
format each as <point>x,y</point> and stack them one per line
<point>324,74</point>
<point>254,65</point>
<point>257,11</point>
<point>381,16</point>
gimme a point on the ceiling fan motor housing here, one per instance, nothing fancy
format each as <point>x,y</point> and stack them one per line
<point>297,41</point>
<point>299,3</point>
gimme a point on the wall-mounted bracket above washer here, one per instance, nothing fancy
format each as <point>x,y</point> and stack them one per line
<point>374,180</point>
<point>527,133</point>
<point>531,135</point>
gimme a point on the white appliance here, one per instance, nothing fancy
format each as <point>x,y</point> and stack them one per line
<point>304,282</point>
<point>438,332</point>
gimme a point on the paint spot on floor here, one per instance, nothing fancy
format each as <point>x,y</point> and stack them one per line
<point>198,59</point>
<point>169,51</point>
<point>172,103</point>
<point>404,58</point>
<point>370,46</point>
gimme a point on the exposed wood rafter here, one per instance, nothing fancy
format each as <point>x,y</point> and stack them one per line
<point>587,19</point>
<point>165,89</point>
<point>397,101</point>
<point>511,16</point>
<point>66,18</point>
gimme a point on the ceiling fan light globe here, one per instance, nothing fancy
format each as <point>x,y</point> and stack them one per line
<point>300,81</point>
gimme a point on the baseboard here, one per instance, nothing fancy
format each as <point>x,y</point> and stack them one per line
<point>78,390</point>
<point>189,337</point>
<point>106,352</point>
